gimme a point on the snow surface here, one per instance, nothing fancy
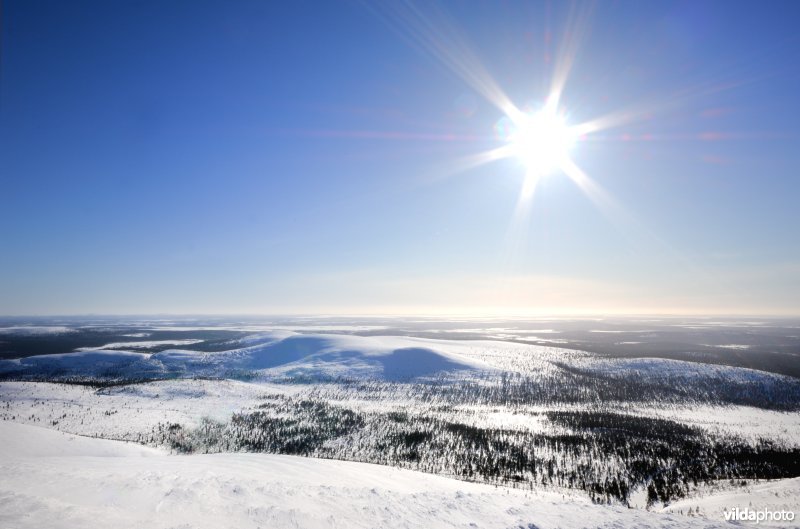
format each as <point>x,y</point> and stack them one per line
<point>55,480</point>
<point>280,353</point>
<point>137,408</point>
<point>35,330</point>
<point>681,368</point>
<point>747,423</point>
<point>23,440</point>
<point>126,412</point>
<point>287,354</point>
<point>777,495</point>
<point>141,344</point>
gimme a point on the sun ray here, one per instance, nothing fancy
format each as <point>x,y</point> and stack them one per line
<point>541,150</point>
<point>383,135</point>
<point>470,162</point>
<point>627,224</point>
<point>647,109</point>
<point>516,235</point>
<point>436,35</point>
<point>591,189</point>
<point>577,27</point>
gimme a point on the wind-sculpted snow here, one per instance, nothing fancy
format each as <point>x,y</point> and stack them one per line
<point>714,500</point>
<point>22,440</point>
<point>496,430</point>
<point>62,485</point>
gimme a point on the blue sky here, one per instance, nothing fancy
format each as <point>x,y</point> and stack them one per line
<point>304,157</point>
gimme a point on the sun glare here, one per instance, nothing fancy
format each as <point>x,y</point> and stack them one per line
<point>542,141</point>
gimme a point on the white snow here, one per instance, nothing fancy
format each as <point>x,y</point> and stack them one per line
<point>747,423</point>
<point>279,353</point>
<point>681,368</point>
<point>777,495</point>
<point>76,363</point>
<point>127,412</point>
<point>23,440</point>
<point>58,481</point>
<point>30,330</point>
<point>140,344</point>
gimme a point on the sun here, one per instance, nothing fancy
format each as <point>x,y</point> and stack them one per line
<point>542,141</point>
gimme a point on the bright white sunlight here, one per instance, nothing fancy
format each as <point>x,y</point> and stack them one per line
<point>542,141</point>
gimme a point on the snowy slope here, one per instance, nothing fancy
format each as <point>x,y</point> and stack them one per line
<point>287,354</point>
<point>268,354</point>
<point>126,412</point>
<point>59,483</point>
<point>778,495</point>
<point>22,440</point>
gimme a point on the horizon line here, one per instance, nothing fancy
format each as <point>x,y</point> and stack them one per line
<point>430,315</point>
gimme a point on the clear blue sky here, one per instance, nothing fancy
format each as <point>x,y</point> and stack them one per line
<point>263,157</point>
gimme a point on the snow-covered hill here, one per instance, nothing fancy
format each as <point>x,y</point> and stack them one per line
<point>539,419</point>
<point>56,480</point>
<point>270,354</point>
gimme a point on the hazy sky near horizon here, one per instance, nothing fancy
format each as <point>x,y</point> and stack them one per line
<point>246,157</point>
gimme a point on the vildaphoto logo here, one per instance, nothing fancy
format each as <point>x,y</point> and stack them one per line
<point>752,515</point>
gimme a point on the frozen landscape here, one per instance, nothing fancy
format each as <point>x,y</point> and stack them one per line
<point>399,423</point>
<point>518,264</point>
<point>68,481</point>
